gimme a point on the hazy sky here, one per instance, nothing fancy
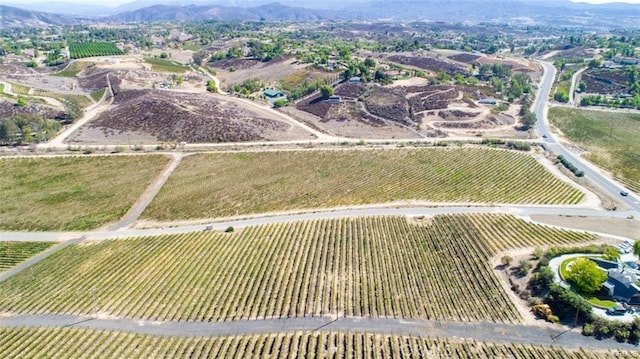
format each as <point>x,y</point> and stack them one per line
<point>120,2</point>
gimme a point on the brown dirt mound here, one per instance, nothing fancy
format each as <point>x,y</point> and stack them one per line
<point>430,63</point>
<point>466,58</point>
<point>8,109</point>
<point>191,118</point>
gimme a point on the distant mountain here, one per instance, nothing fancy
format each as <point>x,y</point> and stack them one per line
<point>15,17</point>
<point>516,12</point>
<point>64,8</point>
<point>542,12</point>
<point>273,11</point>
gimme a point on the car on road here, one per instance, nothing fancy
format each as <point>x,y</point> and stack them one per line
<point>624,193</point>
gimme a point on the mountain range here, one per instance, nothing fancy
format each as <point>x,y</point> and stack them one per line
<point>541,12</point>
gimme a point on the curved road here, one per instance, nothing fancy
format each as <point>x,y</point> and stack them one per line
<point>541,109</point>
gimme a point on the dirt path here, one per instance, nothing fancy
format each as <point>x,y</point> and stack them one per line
<point>91,113</point>
<point>572,89</point>
<point>149,194</point>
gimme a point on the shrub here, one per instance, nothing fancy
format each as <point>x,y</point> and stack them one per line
<point>229,229</point>
<point>523,267</point>
<point>506,260</point>
<point>279,103</point>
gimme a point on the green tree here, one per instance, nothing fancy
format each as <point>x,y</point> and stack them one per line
<point>636,248</point>
<point>279,103</point>
<point>21,102</point>
<point>611,254</point>
<point>585,276</point>
<point>369,62</point>
<point>582,86</point>
<point>528,120</point>
<point>211,86</point>
<point>326,91</point>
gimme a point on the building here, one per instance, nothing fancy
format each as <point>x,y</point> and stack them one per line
<point>273,94</point>
<point>334,99</point>
<point>488,101</point>
<point>621,283</point>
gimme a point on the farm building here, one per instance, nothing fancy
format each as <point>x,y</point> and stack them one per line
<point>272,93</point>
<point>334,99</point>
<point>488,101</point>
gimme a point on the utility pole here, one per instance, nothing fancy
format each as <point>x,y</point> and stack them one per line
<point>92,291</point>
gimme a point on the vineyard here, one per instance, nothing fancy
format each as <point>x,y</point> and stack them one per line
<point>212,185</point>
<point>12,253</point>
<point>163,65</point>
<point>72,193</point>
<point>363,267</point>
<point>85,343</point>
<point>89,49</point>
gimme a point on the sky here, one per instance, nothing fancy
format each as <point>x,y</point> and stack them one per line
<point>120,2</point>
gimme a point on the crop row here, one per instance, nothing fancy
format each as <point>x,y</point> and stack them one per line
<point>12,253</point>
<point>362,267</point>
<point>223,184</point>
<point>89,49</point>
<point>85,343</point>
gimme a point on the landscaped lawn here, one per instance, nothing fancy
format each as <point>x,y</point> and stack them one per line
<point>594,300</point>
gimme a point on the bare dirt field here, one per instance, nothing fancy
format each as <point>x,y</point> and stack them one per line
<point>606,81</point>
<point>618,226</point>
<point>9,109</point>
<point>143,116</point>
<point>432,64</point>
<point>244,69</point>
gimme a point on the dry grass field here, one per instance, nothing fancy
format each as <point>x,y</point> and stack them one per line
<point>72,193</point>
<point>216,185</point>
<point>611,139</point>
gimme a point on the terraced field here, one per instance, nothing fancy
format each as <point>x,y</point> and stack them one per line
<point>79,343</point>
<point>216,185</point>
<point>72,193</point>
<point>362,267</point>
<point>12,253</point>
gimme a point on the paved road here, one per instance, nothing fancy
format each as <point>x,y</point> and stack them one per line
<point>541,108</point>
<point>522,211</point>
<point>480,331</point>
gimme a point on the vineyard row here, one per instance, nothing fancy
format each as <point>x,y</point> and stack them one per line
<point>362,267</point>
<point>82,343</point>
